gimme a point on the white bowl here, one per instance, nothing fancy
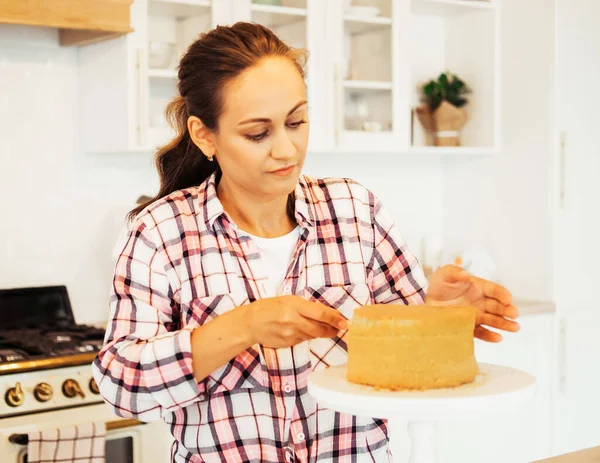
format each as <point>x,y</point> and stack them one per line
<point>161,55</point>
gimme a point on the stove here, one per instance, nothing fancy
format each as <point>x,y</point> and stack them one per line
<point>45,357</point>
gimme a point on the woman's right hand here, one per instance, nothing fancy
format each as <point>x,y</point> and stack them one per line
<point>285,321</point>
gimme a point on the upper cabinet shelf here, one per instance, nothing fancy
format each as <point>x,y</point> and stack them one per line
<point>357,25</point>
<point>178,8</point>
<point>369,60</point>
<point>462,37</point>
<point>450,7</point>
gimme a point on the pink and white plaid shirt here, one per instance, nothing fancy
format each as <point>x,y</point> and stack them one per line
<point>185,263</point>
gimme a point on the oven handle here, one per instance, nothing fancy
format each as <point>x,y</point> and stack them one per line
<point>23,439</point>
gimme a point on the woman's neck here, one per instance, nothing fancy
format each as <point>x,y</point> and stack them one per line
<point>263,217</point>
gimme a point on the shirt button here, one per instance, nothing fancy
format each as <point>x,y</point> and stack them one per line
<point>287,388</point>
<point>287,289</point>
<point>301,436</point>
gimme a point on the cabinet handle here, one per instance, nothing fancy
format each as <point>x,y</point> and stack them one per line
<point>562,356</point>
<point>339,105</point>
<point>142,98</point>
<point>562,167</point>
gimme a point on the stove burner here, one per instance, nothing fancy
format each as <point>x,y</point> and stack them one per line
<point>33,344</point>
<point>12,355</point>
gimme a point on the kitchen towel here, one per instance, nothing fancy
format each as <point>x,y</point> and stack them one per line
<point>73,444</point>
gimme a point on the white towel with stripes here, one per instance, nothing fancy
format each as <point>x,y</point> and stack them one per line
<point>83,443</point>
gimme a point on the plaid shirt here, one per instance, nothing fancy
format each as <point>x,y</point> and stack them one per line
<point>185,263</point>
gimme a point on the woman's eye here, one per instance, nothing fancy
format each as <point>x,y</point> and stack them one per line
<point>258,137</point>
<point>295,125</point>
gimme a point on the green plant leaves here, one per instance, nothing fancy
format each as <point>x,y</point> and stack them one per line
<point>448,87</point>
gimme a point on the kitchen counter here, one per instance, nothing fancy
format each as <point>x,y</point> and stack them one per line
<point>531,307</point>
<point>591,455</point>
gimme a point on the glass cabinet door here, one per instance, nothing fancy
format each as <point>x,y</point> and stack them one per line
<point>367,83</point>
<point>172,26</point>
<point>300,24</point>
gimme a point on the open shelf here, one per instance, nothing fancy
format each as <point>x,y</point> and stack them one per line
<point>450,7</point>
<point>162,73</point>
<point>368,85</point>
<point>179,8</point>
<point>277,16</point>
<point>358,25</point>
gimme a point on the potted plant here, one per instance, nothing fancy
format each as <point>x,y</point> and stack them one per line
<point>442,113</point>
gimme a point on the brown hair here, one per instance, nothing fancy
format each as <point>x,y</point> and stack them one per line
<point>209,63</point>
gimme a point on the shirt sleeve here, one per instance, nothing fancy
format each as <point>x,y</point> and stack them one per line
<point>144,368</point>
<point>394,275</point>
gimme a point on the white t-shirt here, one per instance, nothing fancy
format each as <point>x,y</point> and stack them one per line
<point>276,256</point>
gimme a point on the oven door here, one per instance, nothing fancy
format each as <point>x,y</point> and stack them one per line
<point>127,441</point>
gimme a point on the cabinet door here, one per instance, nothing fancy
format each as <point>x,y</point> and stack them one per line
<point>126,83</point>
<point>519,435</point>
<point>577,250</point>
<point>367,74</point>
<point>172,25</point>
<point>578,406</point>
<point>300,24</point>
<point>112,79</point>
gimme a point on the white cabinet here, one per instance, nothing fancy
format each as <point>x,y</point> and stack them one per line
<point>577,220</point>
<point>383,51</point>
<point>126,83</point>
<point>300,24</point>
<point>462,37</point>
<point>368,59</point>
<point>578,382</point>
<point>577,216</point>
<point>521,435</point>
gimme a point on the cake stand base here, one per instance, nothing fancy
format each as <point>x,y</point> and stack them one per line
<point>496,389</point>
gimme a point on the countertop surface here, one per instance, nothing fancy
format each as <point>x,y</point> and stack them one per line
<point>532,307</point>
<point>591,455</point>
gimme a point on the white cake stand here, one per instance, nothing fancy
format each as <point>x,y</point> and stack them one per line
<point>496,389</point>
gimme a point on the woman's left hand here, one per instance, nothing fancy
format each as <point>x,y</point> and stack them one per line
<point>451,285</point>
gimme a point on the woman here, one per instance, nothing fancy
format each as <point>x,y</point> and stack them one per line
<point>238,277</point>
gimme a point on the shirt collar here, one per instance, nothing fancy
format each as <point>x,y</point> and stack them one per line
<point>213,208</point>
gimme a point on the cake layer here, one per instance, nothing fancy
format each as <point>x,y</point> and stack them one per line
<point>411,361</point>
<point>393,319</point>
<point>412,347</point>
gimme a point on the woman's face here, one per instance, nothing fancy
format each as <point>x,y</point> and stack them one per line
<point>264,128</point>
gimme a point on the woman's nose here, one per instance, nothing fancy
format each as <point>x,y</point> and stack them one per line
<point>283,147</point>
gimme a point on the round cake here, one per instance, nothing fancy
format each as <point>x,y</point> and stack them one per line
<point>411,347</point>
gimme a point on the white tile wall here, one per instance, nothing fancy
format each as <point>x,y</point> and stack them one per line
<point>61,210</point>
<point>503,202</point>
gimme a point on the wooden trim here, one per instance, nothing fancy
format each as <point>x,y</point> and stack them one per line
<point>589,455</point>
<point>120,424</point>
<point>95,19</point>
<point>78,37</point>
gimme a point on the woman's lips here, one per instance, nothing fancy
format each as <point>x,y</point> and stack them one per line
<point>285,171</point>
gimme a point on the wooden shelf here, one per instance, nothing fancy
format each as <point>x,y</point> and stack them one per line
<point>358,25</point>
<point>79,23</point>
<point>450,7</point>
<point>179,8</point>
<point>276,16</point>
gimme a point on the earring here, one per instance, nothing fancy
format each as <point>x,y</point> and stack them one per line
<point>210,158</point>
